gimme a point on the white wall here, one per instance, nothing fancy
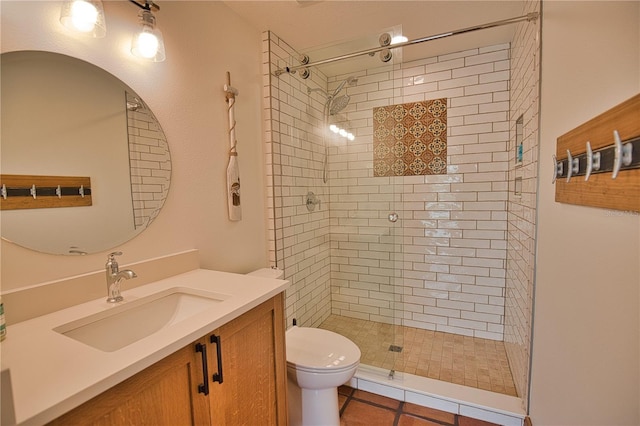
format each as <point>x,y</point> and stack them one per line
<point>203,40</point>
<point>586,326</point>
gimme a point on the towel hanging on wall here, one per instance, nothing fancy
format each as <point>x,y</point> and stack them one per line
<point>233,169</point>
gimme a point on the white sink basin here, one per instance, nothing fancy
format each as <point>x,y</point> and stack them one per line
<point>129,321</point>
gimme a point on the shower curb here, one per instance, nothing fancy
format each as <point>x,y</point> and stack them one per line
<point>450,397</point>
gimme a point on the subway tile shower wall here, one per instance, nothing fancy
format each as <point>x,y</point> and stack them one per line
<point>525,54</point>
<point>442,265</point>
<point>299,240</point>
<point>150,164</point>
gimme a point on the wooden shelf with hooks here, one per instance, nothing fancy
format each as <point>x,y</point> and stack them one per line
<point>621,193</point>
<point>38,192</point>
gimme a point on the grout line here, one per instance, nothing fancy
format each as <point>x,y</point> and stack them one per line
<point>373,404</point>
<point>399,411</point>
<point>398,414</point>
<point>346,401</point>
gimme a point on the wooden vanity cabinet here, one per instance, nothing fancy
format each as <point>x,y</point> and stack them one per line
<point>253,389</point>
<point>252,364</point>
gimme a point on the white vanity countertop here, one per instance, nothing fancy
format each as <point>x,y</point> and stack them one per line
<point>52,373</point>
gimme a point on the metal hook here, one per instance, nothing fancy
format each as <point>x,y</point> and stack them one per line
<point>3,191</point>
<point>573,165</point>
<point>557,168</point>
<point>32,191</point>
<point>593,161</point>
<point>622,154</point>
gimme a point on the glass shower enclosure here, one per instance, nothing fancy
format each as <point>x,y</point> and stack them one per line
<point>400,242</point>
<point>336,227</point>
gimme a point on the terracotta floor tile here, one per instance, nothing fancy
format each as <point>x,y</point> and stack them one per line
<point>408,420</point>
<point>467,421</point>
<point>367,409</point>
<point>429,413</point>
<point>360,413</point>
<point>345,390</point>
<point>393,404</point>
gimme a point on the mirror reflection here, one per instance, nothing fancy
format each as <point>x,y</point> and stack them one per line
<point>65,117</point>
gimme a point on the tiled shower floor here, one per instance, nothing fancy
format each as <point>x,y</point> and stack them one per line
<point>469,361</point>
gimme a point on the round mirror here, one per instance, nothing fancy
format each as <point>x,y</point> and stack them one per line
<point>65,120</point>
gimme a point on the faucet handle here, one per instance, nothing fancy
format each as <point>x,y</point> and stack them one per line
<point>112,264</point>
<point>113,254</point>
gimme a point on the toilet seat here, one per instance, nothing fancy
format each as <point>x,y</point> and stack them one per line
<point>316,350</point>
<point>297,367</point>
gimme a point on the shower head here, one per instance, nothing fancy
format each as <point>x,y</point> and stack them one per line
<point>338,104</point>
<point>351,80</point>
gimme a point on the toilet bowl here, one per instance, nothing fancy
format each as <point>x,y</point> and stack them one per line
<point>318,361</point>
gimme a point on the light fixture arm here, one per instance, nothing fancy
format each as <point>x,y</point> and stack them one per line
<point>148,5</point>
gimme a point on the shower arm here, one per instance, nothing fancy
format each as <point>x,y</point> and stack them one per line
<point>528,17</point>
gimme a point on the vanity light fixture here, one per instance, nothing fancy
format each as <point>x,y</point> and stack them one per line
<point>84,17</point>
<point>147,42</point>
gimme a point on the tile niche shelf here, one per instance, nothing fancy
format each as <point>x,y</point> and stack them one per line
<point>602,188</point>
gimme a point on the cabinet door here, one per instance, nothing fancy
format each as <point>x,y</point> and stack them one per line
<point>253,388</point>
<point>165,393</point>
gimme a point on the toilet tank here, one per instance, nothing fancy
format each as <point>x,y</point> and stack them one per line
<point>268,273</point>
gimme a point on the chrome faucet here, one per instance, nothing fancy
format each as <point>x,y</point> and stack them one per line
<point>115,276</point>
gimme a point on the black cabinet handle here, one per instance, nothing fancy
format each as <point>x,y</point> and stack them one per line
<point>204,388</point>
<point>217,377</point>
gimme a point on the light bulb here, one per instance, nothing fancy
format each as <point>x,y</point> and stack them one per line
<point>334,128</point>
<point>147,44</point>
<point>343,133</point>
<point>83,16</point>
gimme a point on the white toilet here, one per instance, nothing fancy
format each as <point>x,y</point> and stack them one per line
<point>318,361</point>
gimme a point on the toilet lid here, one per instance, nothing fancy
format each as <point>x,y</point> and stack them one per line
<point>320,349</point>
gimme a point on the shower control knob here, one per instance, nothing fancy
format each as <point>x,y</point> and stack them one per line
<point>393,217</point>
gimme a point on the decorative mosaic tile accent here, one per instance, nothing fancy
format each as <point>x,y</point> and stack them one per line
<point>410,139</point>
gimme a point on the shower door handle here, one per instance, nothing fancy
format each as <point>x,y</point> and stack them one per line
<point>393,217</point>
